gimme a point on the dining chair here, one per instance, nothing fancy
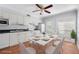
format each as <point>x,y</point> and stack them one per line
<point>57,49</point>
<point>50,50</point>
<point>28,50</point>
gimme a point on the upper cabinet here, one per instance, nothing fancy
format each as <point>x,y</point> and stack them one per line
<point>20,19</point>
<point>5,14</point>
<point>13,19</point>
<point>13,16</point>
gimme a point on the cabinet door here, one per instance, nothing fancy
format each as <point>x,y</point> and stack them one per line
<point>5,14</point>
<point>13,39</point>
<point>0,12</point>
<point>20,20</point>
<point>13,19</point>
<point>25,36</point>
<point>21,37</point>
<point>4,40</point>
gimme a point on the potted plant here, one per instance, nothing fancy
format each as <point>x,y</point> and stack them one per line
<point>74,36</point>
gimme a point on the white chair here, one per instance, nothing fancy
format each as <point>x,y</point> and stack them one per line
<point>58,49</point>
<point>56,42</point>
<point>70,40</point>
<point>28,50</point>
<point>50,50</point>
<point>54,49</point>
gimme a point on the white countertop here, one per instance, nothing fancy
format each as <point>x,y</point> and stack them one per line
<point>6,27</point>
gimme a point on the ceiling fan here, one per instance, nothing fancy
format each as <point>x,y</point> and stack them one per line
<point>43,9</point>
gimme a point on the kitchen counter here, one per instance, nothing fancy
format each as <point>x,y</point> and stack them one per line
<point>8,27</point>
<point>12,30</point>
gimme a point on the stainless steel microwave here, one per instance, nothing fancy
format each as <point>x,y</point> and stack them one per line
<point>4,22</point>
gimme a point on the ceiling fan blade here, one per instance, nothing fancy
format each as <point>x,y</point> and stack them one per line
<point>35,10</point>
<point>48,6</point>
<point>47,11</point>
<point>39,6</point>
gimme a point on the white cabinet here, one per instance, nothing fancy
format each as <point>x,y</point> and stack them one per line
<point>13,19</point>
<point>0,12</point>
<point>16,19</point>
<point>20,20</point>
<point>13,39</point>
<point>17,37</point>
<point>4,40</point>
<point>22,37</point>
<point>5,14</point>
<point>10,39</point>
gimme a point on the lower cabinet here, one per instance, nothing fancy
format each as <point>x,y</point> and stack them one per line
<point>13,39</point>
<point>16,38</point>
<point>4,40</point>
<point>22,37</point>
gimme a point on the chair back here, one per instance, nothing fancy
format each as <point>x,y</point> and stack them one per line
<point>58,49</point>
<point>28,50</point>
<point>54,49</point>
<point>22,48</point>
<point>50,50</point>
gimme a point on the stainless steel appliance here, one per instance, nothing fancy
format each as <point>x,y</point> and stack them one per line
<point>4,21</point>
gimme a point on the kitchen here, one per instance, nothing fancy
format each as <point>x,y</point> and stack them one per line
<point>17,26</point>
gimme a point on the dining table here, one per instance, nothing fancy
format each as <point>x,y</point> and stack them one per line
<point>41,43</point>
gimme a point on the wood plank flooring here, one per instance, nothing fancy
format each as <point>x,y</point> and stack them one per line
<point>68,48</point>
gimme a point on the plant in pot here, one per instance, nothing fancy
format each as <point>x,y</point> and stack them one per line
<point>74,36</point>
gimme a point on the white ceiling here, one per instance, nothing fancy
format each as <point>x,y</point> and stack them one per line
<point>28,8</point>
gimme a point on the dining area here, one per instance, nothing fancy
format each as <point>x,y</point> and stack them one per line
<point>52,45</point>
<point>42,45</point>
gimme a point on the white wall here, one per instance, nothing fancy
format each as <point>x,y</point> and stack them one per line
<point>61,24</point>
<point>50,24</point>
<point>78,28</point>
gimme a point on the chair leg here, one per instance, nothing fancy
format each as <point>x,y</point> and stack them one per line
<point>61,50</point>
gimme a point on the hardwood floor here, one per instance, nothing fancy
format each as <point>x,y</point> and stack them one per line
<point>68,48</point>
